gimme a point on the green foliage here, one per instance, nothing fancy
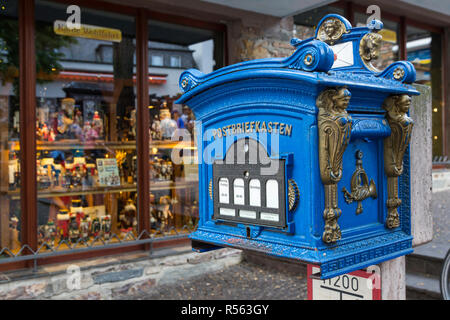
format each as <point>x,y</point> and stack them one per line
<point>47,49</point>
<point>47,52</point>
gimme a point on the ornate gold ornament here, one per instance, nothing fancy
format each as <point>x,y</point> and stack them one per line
<point>399,73</point>
<point>184,83</point>
<point>293,194</point>
<point>369,49</point>
<point>309,59</point>
<point>331,30</point>
<point>360,186</point>
<point>210,189</point>
<point>335,125</point>
<point>394,149</point>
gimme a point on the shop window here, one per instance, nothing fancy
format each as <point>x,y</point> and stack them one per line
<point>173,151</point>
<point>10,213</point>
<point>86,128</point>
<point>175,61</point>
<point>157,60</point>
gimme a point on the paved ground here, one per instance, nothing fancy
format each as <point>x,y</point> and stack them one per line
<point>441,227</point>
<point>252,281</point>
<point>245,281</point>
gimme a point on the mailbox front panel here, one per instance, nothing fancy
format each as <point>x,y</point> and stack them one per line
<point>306,157</point>
<point>251,184</point>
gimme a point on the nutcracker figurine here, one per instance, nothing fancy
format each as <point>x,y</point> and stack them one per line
<point>74,228</point>
<point>50,234</point>
<point>85,225</point>
<point>95,227</point>
<point>77,210</point>
<point>62,224</point>
<point>106,227</point>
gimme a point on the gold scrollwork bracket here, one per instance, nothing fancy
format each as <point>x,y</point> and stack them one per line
<point>395,146</point>
<point>334,126</point>
<point>360,186</point>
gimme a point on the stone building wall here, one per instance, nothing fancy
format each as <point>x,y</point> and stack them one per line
<point>254,38</point>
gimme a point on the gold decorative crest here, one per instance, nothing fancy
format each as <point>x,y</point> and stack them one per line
<point>331,30</point>
<point>334,126</point>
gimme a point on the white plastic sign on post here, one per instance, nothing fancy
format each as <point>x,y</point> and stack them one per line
<point>356,285</point>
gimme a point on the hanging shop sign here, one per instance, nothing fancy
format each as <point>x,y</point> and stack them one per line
<point>87,31</point>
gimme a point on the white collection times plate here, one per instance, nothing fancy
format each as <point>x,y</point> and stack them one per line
<point>356,285</point>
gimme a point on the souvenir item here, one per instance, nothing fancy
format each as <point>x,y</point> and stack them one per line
<point>62,224</point>
<point>14,233</point>
<point>13,171</point>
<point>133,123</point>
<point>78,118</point>
<point>97,124</point>
<point>85,227</point>
<point>89,133</point>
<point>156,128</point>
<point>67,104</point>
<point>45,132</point>
<point>95,227</point>
<point>127,217</point>
<point>50,234</point>
<point>57,175</point>
<point>166,213</point>
<point>76,209</point>
<point>106,227</point>
<point>74,230</point>
<point>41,235</point>
<point>38,132</point>
<point>187,214</point>
<point>65,115</point>
<point>168,126</point>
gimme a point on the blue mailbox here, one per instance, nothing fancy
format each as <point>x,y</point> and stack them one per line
<point>307,157</point>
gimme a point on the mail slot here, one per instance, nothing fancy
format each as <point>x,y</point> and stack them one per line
<point>307,157</point>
